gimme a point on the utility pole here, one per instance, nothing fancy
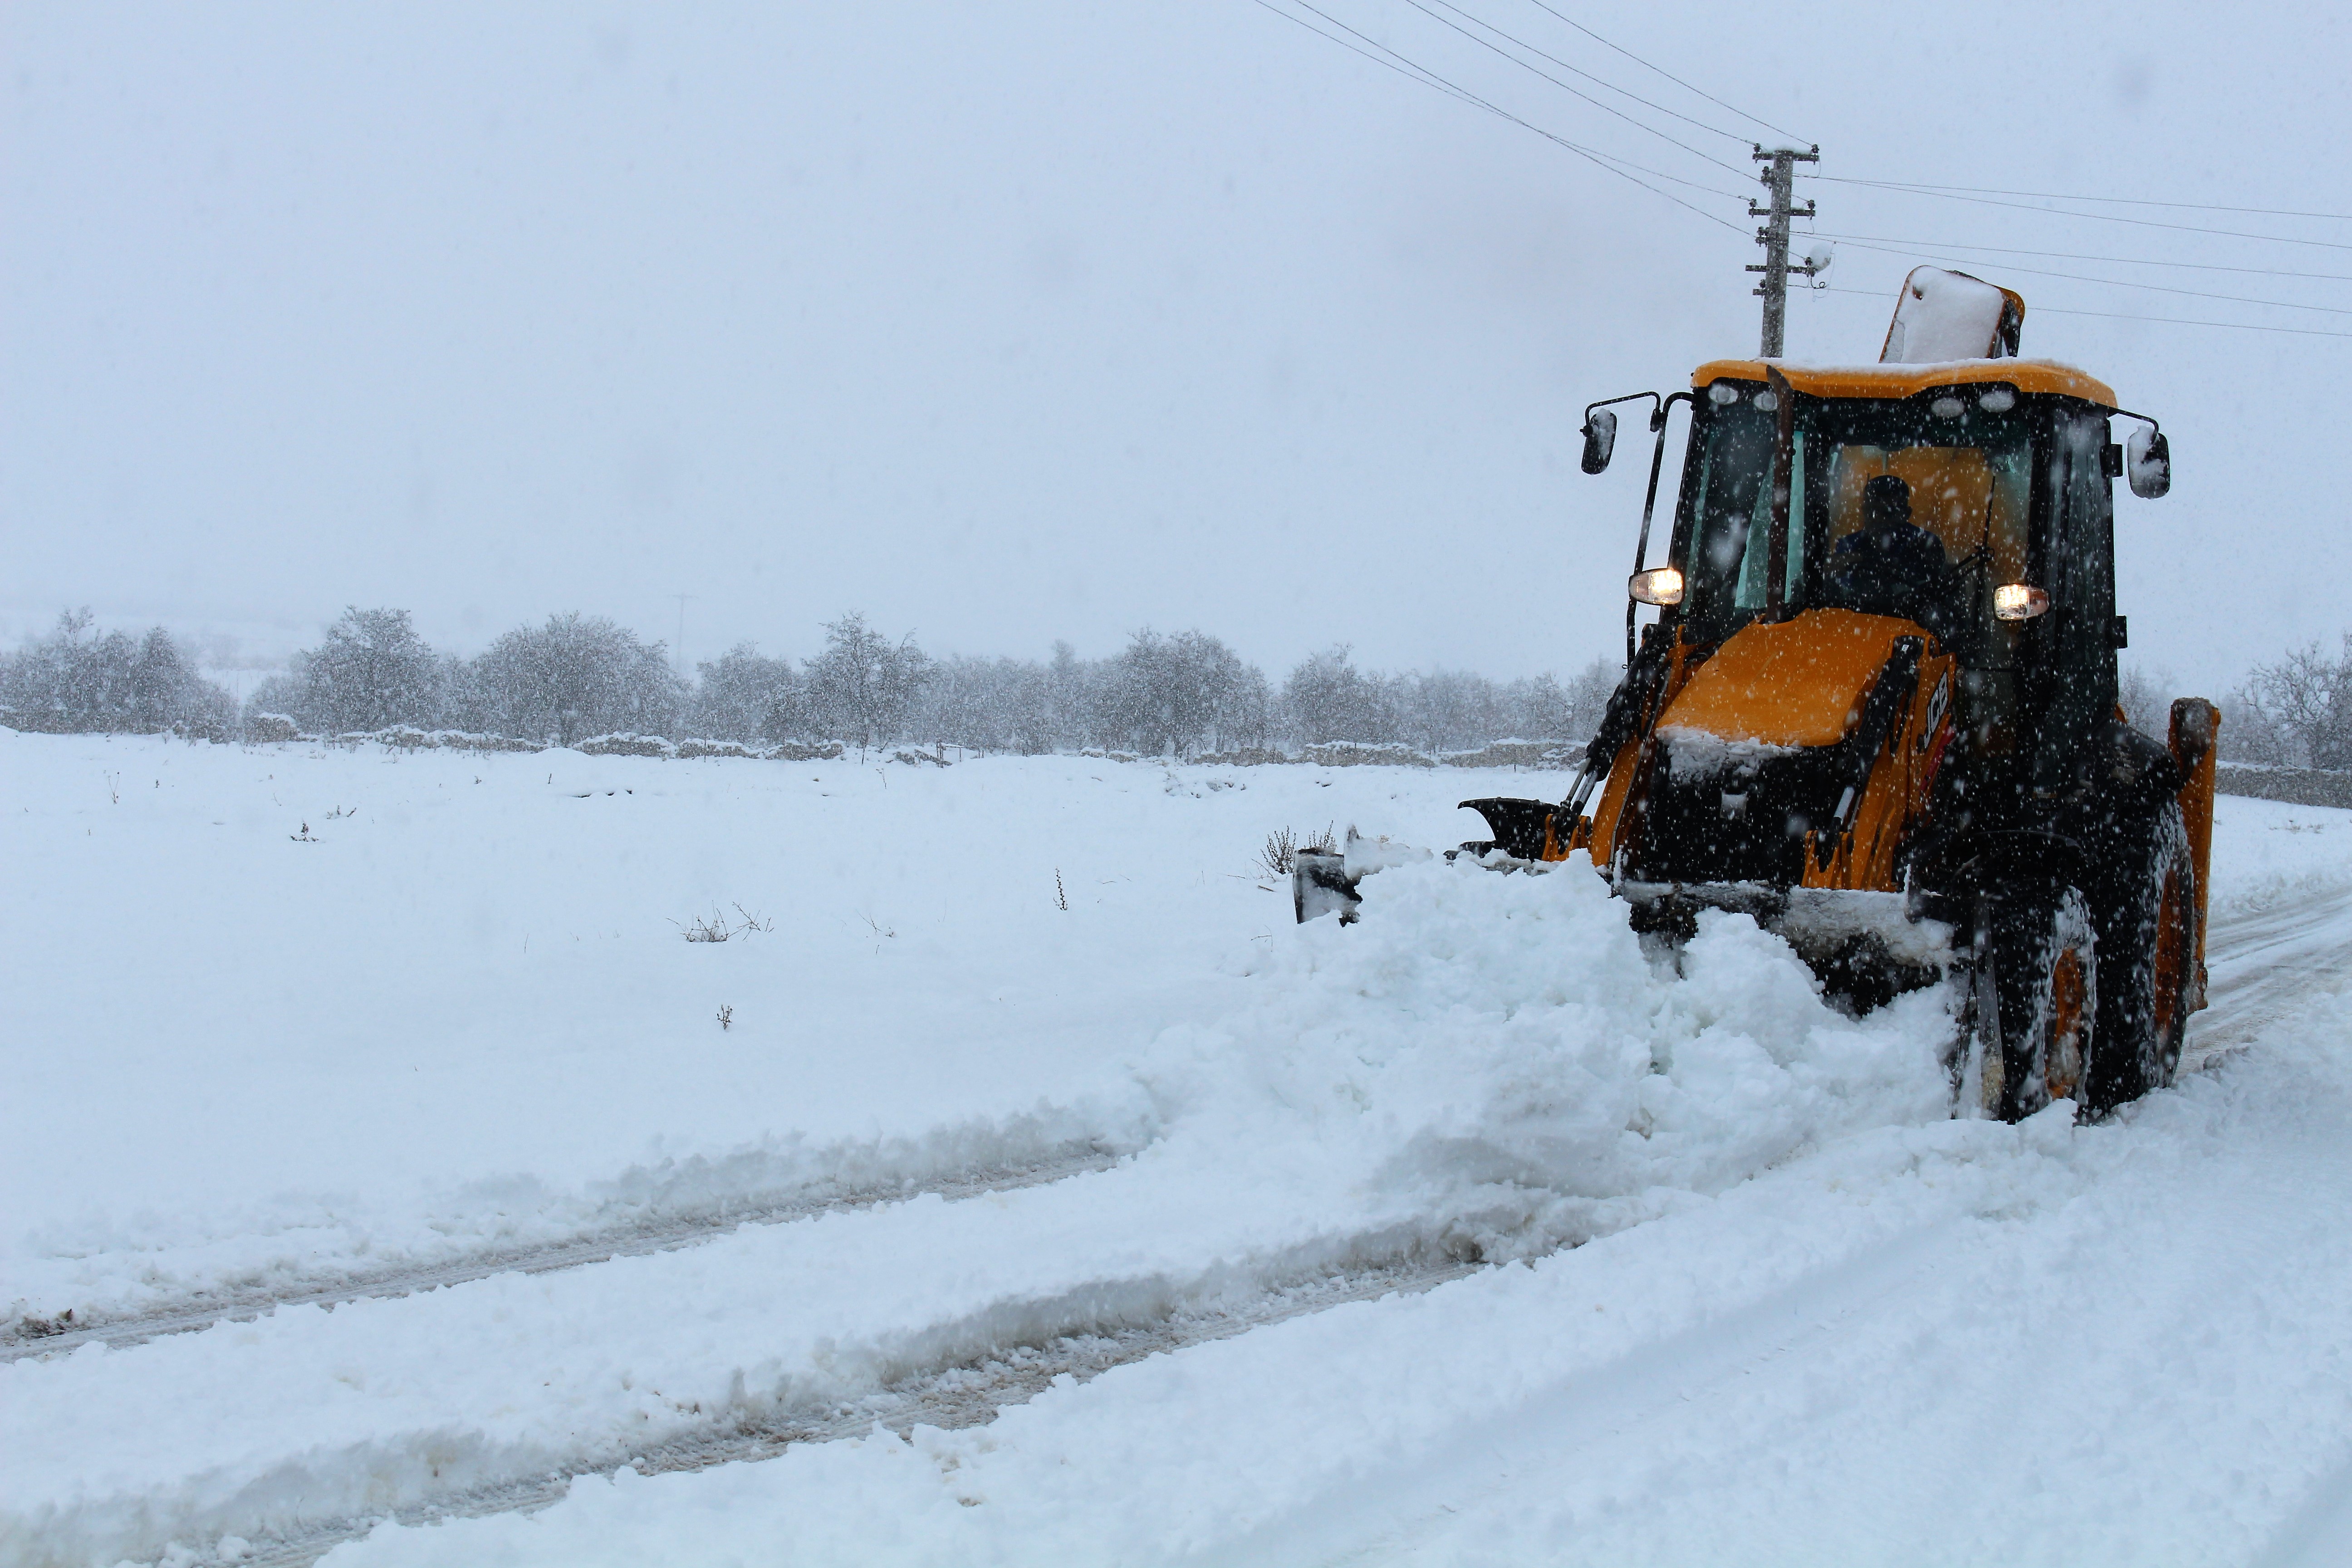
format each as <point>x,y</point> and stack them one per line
<point>1780,180</point>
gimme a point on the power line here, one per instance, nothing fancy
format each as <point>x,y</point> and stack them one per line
<point>1414,72</point>
<point>2079,256</point>
<point>1406,66</point>
<point>2130,316</point>
<point>1411,72</point>
<point>1606,109</point>
<point>1661,70</point>
<point>1596,80</point>
<point>2101,218</point>
<point>2127,283</point>
<point>2058,197</point>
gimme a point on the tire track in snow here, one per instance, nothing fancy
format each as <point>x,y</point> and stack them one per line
<point>1602,1407</point>
<point>2261,963</point>
<point>576,1251</point>
<point>969,1392</point>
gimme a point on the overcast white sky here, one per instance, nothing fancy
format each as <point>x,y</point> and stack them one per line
<point>1006,323</point>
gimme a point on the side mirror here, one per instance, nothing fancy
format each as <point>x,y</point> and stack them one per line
<point>2147,463</point>
<point>1599,439</point>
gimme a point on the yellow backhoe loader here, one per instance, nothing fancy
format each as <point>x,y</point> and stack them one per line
<point>1878,709</point>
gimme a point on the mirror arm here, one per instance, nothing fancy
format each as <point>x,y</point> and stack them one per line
<point>1628,397</point>
<point>1650,503</point>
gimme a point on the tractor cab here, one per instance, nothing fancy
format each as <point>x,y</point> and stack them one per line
<point>1970,499</point>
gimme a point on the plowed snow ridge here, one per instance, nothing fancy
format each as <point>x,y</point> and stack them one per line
<point>574,1252</point>
<point>968,1394</point>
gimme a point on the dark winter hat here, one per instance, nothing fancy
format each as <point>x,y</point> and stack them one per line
<point>1886,500</point>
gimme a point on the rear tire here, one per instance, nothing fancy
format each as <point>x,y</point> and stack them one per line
<point>2147,939</point>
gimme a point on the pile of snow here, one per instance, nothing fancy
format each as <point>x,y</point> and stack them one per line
<point>1499,1050</point>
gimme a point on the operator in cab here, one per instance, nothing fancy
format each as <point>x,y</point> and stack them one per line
<point>1891,566</point>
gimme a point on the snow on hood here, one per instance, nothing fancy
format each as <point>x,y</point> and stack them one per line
<point>1694,755</point>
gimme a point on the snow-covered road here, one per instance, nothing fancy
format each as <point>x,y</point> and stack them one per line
<point>1459,1236</point>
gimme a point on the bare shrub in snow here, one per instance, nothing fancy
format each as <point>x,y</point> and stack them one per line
<point>716,927</point>
<point>712,927</point>
<point>1280,856</point>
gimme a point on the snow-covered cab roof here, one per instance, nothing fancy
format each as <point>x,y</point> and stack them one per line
<point>2027,375</point>
<point>1949,330</point>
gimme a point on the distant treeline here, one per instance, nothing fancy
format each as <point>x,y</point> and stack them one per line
<point>1184,693</point>
<point>113,682</point>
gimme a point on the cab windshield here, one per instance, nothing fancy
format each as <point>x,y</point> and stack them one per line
<point>1947,515</point>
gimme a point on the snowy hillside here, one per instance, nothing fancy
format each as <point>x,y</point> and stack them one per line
<point>1149,1228</point>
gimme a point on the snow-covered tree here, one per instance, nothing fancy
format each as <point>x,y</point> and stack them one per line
<point>1180,694</point>
<point>2307,698</point>
<point>743,696</point>
<point>69,681</point>
<point>371,671</point>
<point>578,676</point>
<point>861,688</point>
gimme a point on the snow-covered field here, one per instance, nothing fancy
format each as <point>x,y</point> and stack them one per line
<point>1462,1235</point>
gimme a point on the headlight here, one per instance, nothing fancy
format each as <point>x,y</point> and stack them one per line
<point>2018,602</point>
<point>1658,585</point>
